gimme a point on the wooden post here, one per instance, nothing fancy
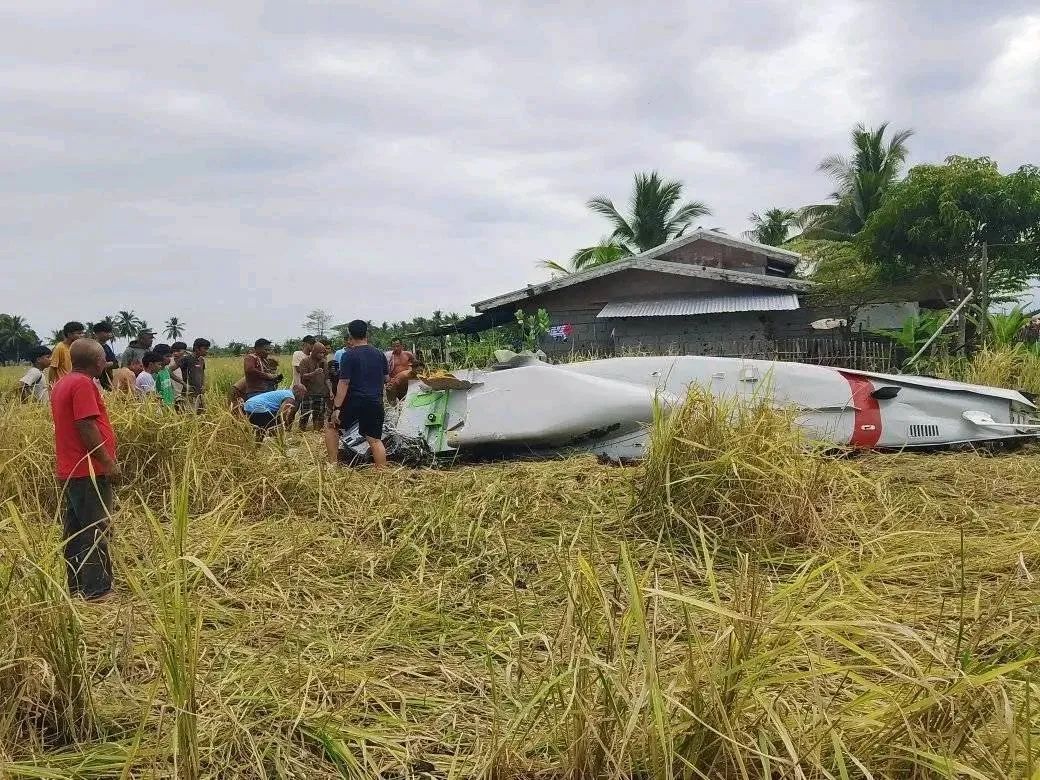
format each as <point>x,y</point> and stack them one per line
<point>984,296</point>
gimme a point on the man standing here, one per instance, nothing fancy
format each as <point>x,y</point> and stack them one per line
<point>135,349</point>
<point>193,374</point>
<point>85,446</point>
<point>102,333</point>
<point>359,395</point>
<point>61,360</point>
<point>314,408</point>
<point>305,349</point>
<point>259,373</point>
<point>402,363</point>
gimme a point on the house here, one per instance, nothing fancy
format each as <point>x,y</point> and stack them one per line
<point>688,295</point>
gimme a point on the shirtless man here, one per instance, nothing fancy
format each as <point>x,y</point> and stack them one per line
<point>402,364</point>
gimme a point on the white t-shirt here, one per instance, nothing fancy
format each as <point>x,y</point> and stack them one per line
<point>297,358</point>
<point>145,383</point>
<point>33,379</point>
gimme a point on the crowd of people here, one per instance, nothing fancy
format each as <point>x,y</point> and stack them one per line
<point>330,391</point>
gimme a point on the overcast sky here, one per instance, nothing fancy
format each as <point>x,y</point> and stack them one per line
<point>238,164</point>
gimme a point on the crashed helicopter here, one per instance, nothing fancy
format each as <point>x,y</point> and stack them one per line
<point>524,406</point>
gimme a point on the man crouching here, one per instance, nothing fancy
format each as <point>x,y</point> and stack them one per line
<point>273,410</point>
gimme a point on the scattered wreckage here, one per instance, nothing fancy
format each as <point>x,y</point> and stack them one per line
<point>524,406</point>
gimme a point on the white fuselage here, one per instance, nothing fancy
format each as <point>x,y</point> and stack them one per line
<point>604,406</point>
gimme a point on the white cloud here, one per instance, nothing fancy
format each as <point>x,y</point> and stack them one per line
<point>238,165</point>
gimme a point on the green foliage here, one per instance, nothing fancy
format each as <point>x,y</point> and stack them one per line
<point>590,257</point>
<point>916,330</point>
<point>935,222</point>
<point>532,327</point>
<point>772,227</point>
<point>861,183</point>
<point>174,328</point>
<point>15,337</point>
<point>127,324</point>
<point>1004,330</point>
<point>657,213</point>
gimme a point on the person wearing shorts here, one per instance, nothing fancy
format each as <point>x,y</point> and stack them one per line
<point>359,395</point>
<point>269,411</point>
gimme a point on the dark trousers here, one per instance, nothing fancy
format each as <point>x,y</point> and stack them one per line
<point>87,560</point>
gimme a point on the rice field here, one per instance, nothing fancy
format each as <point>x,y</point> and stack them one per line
<point>741,606</point>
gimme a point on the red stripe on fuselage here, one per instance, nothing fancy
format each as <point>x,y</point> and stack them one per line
<point>866,428</point>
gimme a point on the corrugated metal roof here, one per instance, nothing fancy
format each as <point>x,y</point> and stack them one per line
<point>691,305</point>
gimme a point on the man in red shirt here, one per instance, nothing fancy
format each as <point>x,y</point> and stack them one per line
<point>85,446</point>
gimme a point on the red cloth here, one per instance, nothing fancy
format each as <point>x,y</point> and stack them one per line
<point>76,397</point>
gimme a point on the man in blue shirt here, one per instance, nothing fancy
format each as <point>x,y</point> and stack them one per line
<point>359,395</point>
<point>273,409</point>
<point>102,334</point>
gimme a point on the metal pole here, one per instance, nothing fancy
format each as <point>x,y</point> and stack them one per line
<point>941,328</point>
<point>984,296</point>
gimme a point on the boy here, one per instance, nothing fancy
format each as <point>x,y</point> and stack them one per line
<point>61,361</point>
<point>145,383</point>
<point>193,374</point>
<point>85,446</point>
<point>311,371</point>
<point>359,395</point>
<point>33,383</point>
<point>178,350</point>
<point>163,381</point>
<point>274,409</point>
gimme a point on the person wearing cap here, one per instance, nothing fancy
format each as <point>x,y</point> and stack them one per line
<point>259,370</point>
<point>33,384</point>
<point>61,358</point>
<point>135,350</point>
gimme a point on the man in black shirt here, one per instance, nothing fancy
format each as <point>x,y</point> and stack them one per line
<point>359,394</point>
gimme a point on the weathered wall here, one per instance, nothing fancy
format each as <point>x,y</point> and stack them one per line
<point>705,253</point>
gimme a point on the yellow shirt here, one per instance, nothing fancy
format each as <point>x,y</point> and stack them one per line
<point>61,363</point>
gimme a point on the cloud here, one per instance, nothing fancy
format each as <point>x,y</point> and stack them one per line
<point>239,164</point>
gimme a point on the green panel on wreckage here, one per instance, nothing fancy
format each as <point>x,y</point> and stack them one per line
<point>434,404</point>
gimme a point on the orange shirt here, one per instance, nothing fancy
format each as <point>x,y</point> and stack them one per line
<point>61,363</point>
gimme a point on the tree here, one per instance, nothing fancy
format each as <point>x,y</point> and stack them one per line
<point>127,324</point>
<point>174,328</point>
<point>317,322</point>
<point>933,225</point>
<point>657,213</point>
<point>861,180</point>
<point>236,348</point>
<point>58,334</point>
<point>589,257</point>
<point>773,227</point>
<point>16,337</point>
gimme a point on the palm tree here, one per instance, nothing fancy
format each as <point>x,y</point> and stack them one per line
<point>657,213</point>
<point>772,227</point>
<point>589,257</point>
<point>15,336</point>
<point>174,328</point>
<point>127,324</point>
<point>862,181</point>
<point>58,334</point>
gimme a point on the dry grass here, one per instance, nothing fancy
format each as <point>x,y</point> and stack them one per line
<point>738,608</point>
